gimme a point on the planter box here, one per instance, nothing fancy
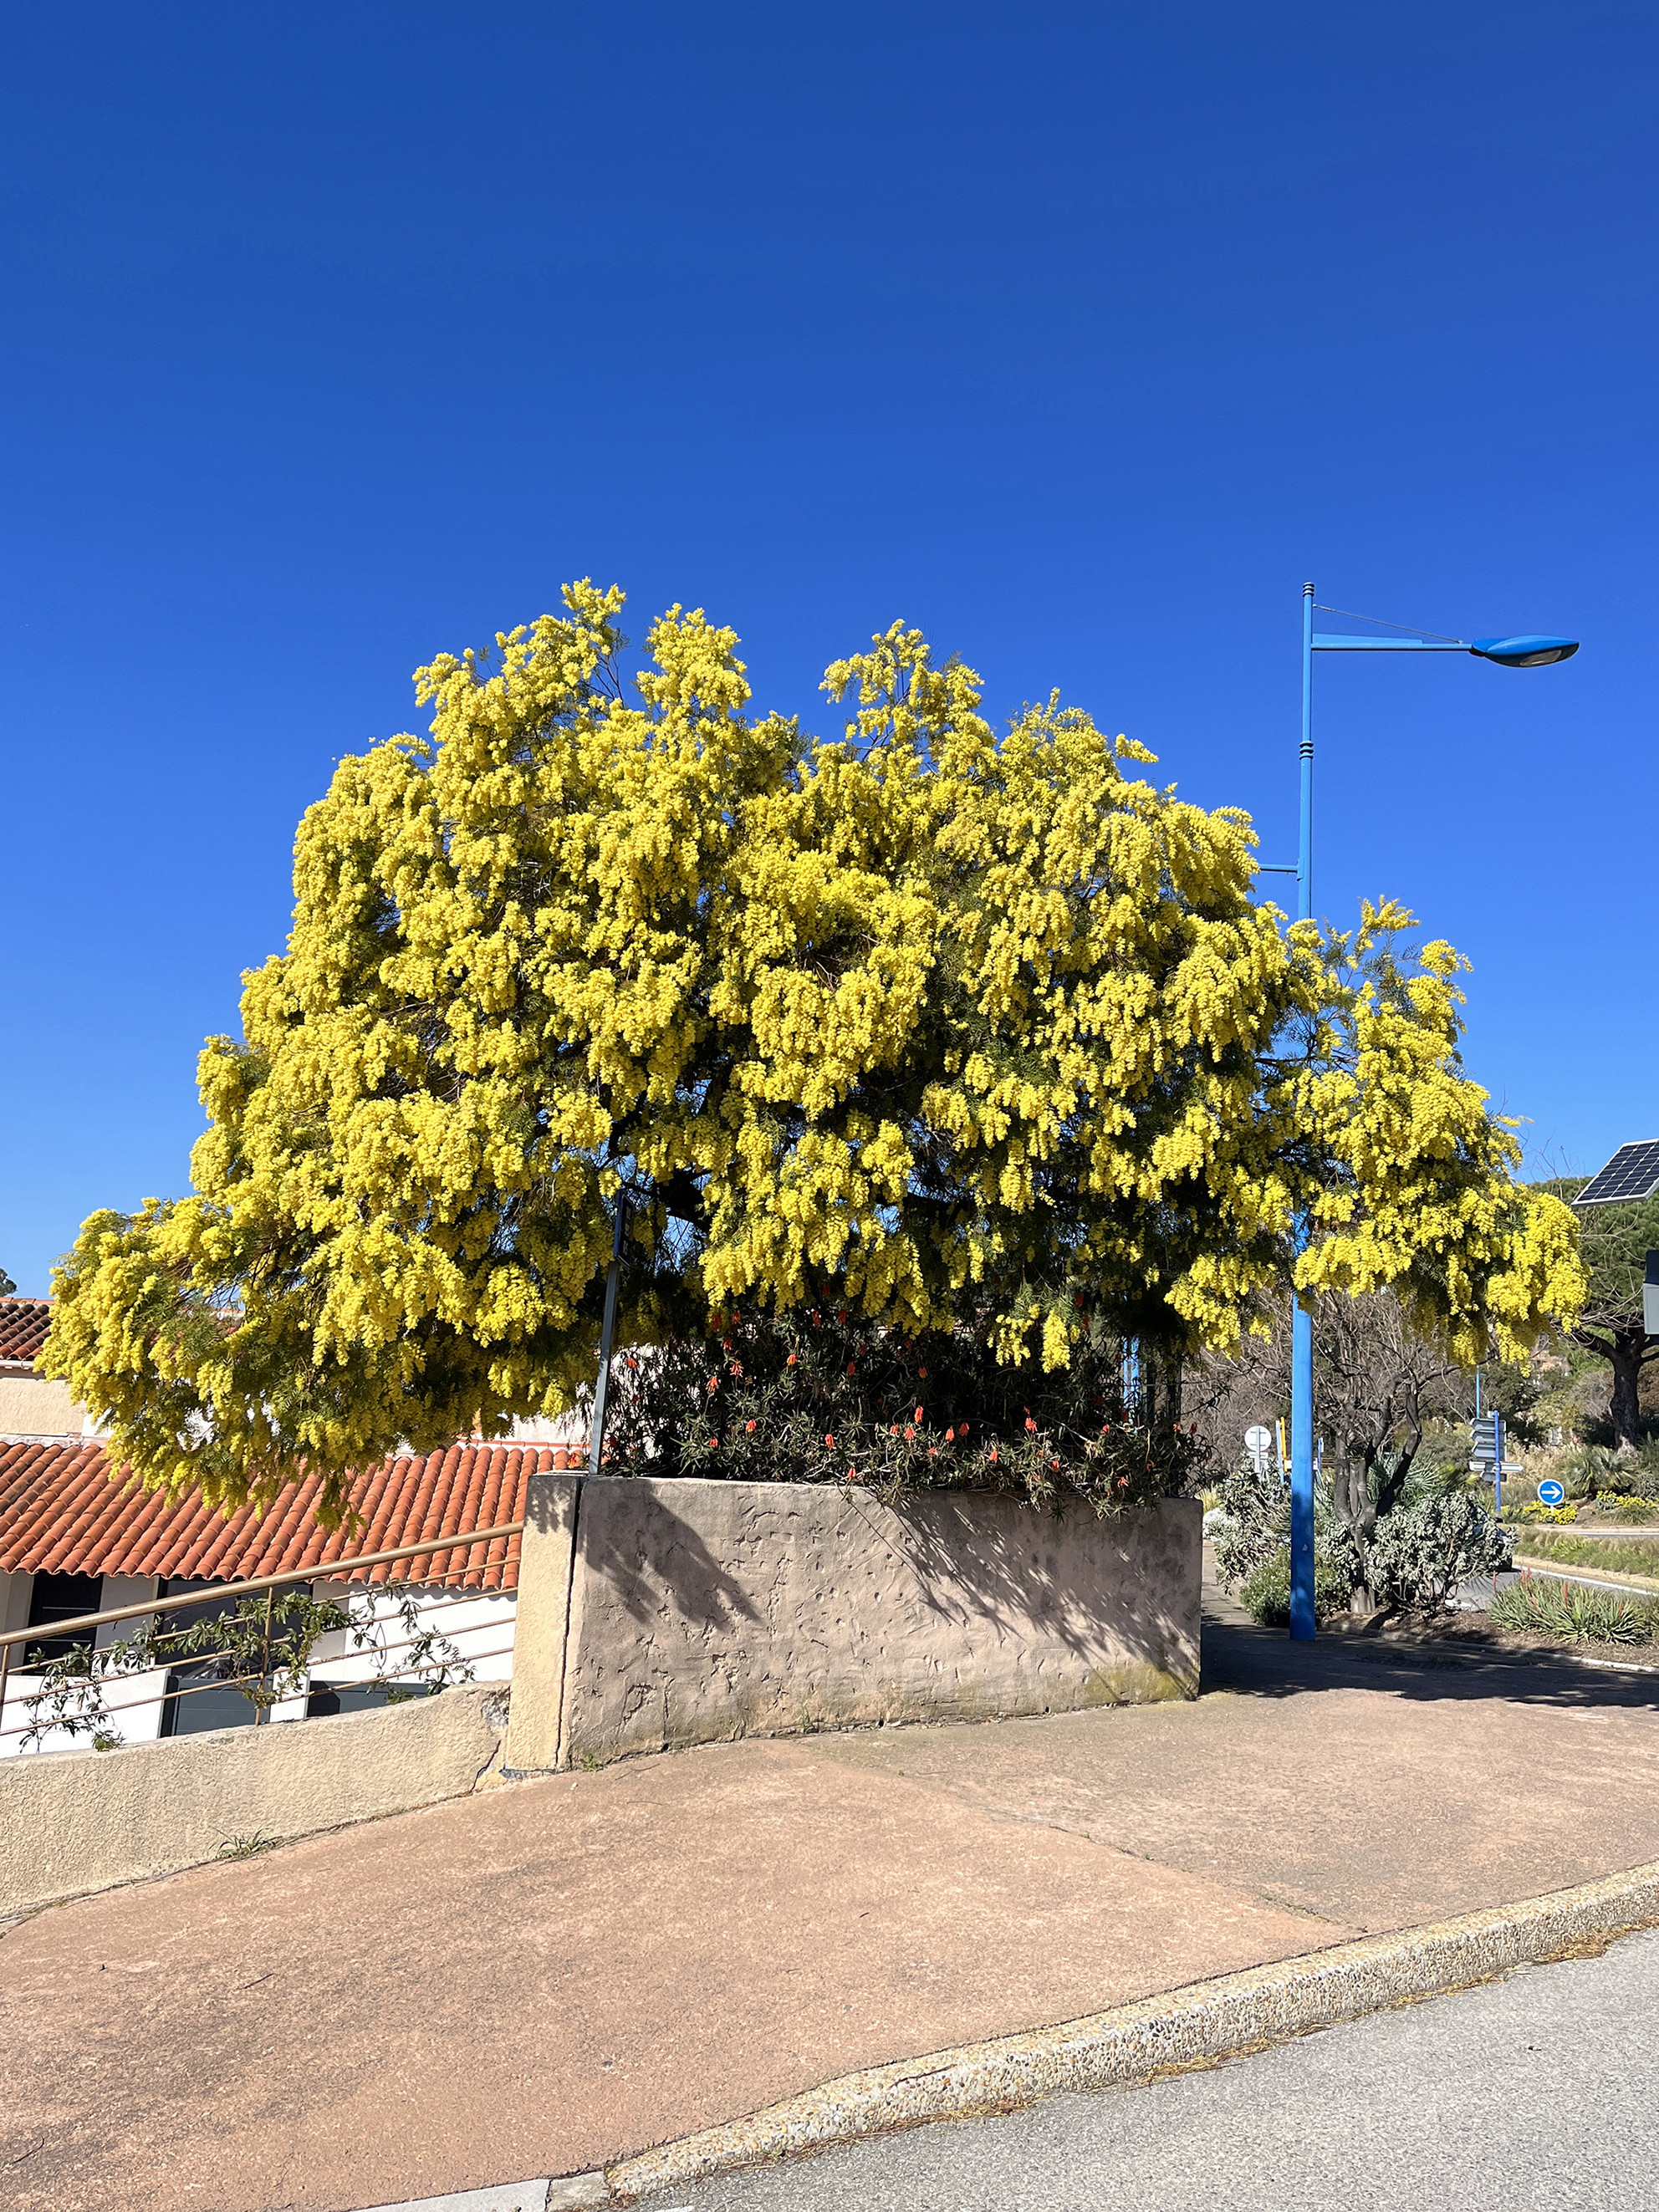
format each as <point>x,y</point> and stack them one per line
<point>657,1613</point>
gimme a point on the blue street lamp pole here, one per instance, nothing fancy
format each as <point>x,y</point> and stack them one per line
<point>1508,653</point>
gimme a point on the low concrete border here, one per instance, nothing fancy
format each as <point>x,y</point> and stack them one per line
<point>1197,2026</point>
<point>74,1822</point>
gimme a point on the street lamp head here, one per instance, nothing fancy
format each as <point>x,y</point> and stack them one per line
<point>1525,651</point>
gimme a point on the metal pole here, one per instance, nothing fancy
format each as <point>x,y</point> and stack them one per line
<point>261,1713</point>
<point>1302,1396</point>
<point>1498,1464</point>
<point>607,1333</point>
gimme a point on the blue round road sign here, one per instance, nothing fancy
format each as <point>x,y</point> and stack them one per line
<point>1551,1493</point>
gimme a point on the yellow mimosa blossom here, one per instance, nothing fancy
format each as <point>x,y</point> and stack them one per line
<point>926,1015</point>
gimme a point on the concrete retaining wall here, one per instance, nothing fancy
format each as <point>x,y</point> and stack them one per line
<point>76,1821</point>
<point>658,1612</point>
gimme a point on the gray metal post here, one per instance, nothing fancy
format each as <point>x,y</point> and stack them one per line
<point>607,1335</point>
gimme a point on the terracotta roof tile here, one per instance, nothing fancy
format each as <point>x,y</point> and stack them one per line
<point>64,1509</point>
<point>23,1326</point>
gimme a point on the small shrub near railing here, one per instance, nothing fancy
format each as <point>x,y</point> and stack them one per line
<point>1571,1613</point>
<point>262,1645</point>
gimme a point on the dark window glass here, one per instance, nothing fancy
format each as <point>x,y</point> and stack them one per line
<point>59,1597</point>
<point>209,1704</point>
<point>325,1700</point>
<point>195,1700</point>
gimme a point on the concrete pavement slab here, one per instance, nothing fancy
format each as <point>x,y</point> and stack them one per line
<point>1372,1786</point>
<point>544,1977</point>
<point>549,1977</point>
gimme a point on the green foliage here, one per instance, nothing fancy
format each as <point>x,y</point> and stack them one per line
<point>1420,1552</point>
<point>827,1395</point>
<point>1614,1243</point>
<point>1572,1613</point>
<point>1638,1556</point>
<point>1441,1459</point>
<point>1258,1507</point>
<point>262,1646</point>
<point>1511,1388</point>
<point>1266,1594</point>
<point>1594,1470</point>
<point>1417,1554</point>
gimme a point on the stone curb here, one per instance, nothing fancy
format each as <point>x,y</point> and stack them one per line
<point>1187,2027</point>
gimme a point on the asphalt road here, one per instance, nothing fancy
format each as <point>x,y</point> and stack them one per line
<point>1538,2091</point>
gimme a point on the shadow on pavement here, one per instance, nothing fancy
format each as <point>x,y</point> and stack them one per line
<point>1262,1662</point>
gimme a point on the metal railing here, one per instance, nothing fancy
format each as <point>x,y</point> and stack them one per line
<point>470,1574</point>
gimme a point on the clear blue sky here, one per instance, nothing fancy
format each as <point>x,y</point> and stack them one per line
<point>335,336</point>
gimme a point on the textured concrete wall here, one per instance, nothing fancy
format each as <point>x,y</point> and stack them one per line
<point>705,1610</point>
<point>543,1623</point>
<point>76,1821</point>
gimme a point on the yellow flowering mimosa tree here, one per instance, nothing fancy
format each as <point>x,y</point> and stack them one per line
<point>947,1018</point>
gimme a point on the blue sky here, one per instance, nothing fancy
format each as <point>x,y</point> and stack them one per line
<point>338,336</point>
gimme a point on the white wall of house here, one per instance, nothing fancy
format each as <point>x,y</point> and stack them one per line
<point>480,1625</point>
<point>134,1701</point>
<point>479,1622</point>
<point>34,1407</point>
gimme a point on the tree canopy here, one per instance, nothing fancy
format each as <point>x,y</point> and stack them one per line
<point>1614,1242</point>
<point>945,1018</point>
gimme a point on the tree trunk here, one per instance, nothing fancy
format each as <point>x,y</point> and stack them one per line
<point>1351,1493</point>
<point>1626,1359</point>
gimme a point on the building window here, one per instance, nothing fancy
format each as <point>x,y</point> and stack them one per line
<point>325,1700</point>
<point>196,1699</point>
<point>59,1597</point>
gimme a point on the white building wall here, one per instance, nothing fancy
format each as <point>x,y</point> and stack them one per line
<point>478,1623</point>
<point>134,1700</point>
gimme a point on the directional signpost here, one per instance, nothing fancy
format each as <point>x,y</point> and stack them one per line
<point>1487,1453</point>
<point>1650,1296</point>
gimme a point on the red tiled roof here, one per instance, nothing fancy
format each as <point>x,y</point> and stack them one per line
<point>64,1509</point>
<point>23,1326</point>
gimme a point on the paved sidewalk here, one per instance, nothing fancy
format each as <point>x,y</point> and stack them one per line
<point>1441,2105</point>
<point>547,1977</point>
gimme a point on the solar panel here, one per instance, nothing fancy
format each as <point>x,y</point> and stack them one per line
<point>1632,1172</point>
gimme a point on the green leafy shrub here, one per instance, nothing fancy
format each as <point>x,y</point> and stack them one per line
<point>1421,1553</point>
<point>1258,1526</point>
<point>829,1396</point>
<point>261,1646</point>
<point>1266,1593</point>
<point>1588,1469</point>
<point>1571,1613</point>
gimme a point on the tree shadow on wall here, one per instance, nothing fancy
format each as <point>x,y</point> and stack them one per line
<point>993,1566</point>
<point>650,1555</point>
